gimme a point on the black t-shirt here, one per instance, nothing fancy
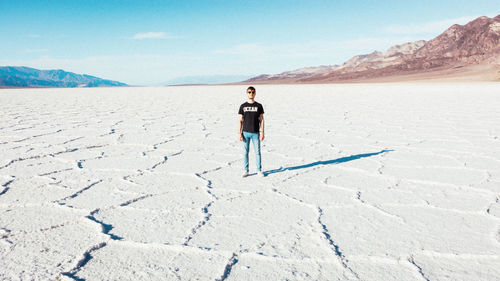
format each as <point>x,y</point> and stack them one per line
<point>251,113</point>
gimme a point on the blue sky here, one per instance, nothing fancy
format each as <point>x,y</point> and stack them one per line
<point>151,42</point>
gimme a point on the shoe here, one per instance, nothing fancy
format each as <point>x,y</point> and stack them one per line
<point>245,174</point>
<point>261,174</point>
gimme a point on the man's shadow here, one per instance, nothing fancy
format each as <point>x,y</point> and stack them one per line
<point>326,162</point>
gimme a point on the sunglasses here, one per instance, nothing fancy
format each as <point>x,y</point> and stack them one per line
<point>251,92</point>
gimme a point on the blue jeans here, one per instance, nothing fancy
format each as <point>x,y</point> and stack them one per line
<point>247,136</point>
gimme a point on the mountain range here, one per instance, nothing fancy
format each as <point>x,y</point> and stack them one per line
<point>470,51</point>
<point>21,76</point>
<point>205,79</point>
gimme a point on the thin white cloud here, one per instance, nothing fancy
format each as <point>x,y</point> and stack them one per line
<point>395,34</point>
<point>430,27</point>
<point>36,50</point>
<point>152,35</point>
<point>311,49</point>
<point>245,49</point>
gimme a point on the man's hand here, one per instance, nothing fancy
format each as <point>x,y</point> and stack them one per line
<point>261,136</point>
<point>241,137</point>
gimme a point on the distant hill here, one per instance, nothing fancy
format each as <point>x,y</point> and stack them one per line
<point>471,50</point>
<point>206,79</point>
<point>21,76</point>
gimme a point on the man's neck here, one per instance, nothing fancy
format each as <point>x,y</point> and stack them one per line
<point>250,101</point>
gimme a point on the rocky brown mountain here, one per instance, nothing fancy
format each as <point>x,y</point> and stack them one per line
<point>454,52</point>
<point>382,59</point>
<point>295,74</point>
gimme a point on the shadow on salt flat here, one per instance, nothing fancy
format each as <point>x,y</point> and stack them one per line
<point>326,162</point>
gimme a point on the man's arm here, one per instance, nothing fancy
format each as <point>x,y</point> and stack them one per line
<point>240,122</point>
<point>261,117</point>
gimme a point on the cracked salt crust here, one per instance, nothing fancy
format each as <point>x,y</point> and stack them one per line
<point>370,182</point>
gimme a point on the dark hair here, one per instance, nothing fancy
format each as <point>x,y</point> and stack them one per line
<point>251,88</point>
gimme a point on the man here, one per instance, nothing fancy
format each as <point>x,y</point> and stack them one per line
<point>251,122</point>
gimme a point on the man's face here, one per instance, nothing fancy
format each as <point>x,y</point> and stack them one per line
<point>251,93</point>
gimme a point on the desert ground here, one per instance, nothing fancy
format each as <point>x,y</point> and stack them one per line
<point>393,181</point>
